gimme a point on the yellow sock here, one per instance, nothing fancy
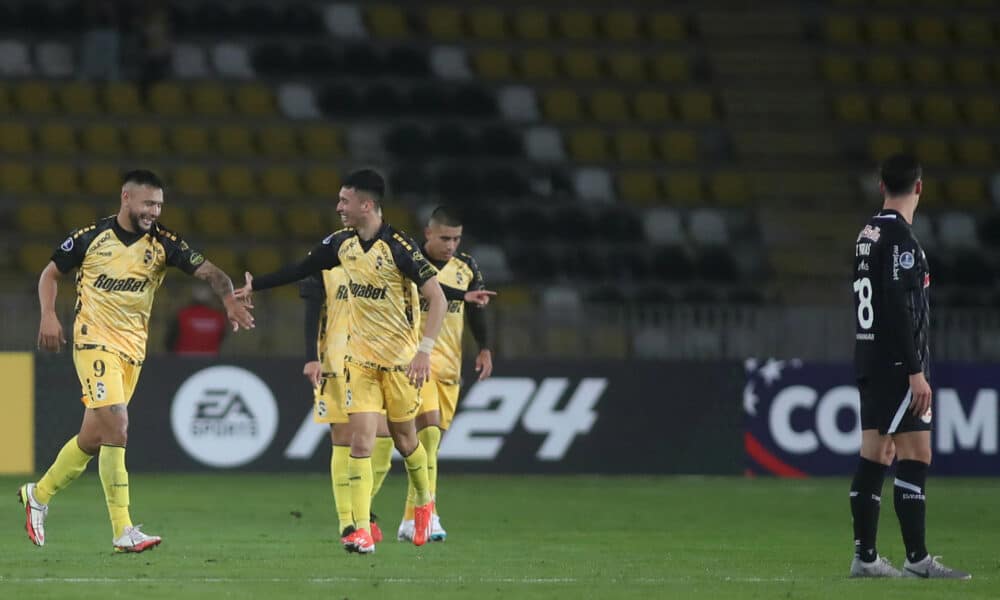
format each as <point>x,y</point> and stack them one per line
<point>69,464</point>
<point>416,468</point>
<point>359,471</point>
<point>341,485</point>
<point>430,437</point>
<point>114,478</point>
<point>381,462</point>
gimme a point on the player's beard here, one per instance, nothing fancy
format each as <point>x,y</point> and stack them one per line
<point>136,220</point>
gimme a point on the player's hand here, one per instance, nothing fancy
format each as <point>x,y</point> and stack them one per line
<point>484,364</point>
<point>313,372</point>
<point>238,313</point>
<point>479,297</point>
<point>419,370</point>
<point>245,293</point>
<point>50,333</point>
<point>920,391</point>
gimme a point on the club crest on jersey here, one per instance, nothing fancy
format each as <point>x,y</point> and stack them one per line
<point>906,260</point>
<point>378,262</point>
<point>458,278</point>
<point>67,245</point>
<point>870,233</point>
<point>147,257</point>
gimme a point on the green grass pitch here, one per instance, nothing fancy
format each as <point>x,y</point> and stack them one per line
<point>274,537</point>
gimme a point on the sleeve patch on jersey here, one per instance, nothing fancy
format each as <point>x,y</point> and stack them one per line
<point>906,260</point>
<point>427,271</point>
<point>197,259</point>
<point>67,245</point>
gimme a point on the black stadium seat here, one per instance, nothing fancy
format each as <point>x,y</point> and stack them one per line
<point>673,263</point>
<point>407,61</point>
<point>383,100</point>
<point>506,182</point>
<point>498,140</point>
<point>339,100</point>
<point>407,141</point>
<point>273,60</point>
<point>319,59</point>
<point>459,184</point>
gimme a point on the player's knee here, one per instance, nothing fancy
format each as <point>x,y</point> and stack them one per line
<point>405,442</point>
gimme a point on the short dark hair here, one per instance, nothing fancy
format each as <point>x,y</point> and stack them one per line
<point>448,217</point>
<point>899,173</point>
<point>367,180</point>
<point>142,177</point>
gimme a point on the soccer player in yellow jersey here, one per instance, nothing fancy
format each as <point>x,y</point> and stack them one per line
<point>385,363</point>
<point>326,298</point>
<point>121,261</point>
<point>440,395</point>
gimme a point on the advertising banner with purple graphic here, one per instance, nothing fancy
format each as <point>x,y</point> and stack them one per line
<point>802,419</point>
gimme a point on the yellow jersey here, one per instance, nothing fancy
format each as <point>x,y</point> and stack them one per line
<point>459,272</point>
<point>332,341</point>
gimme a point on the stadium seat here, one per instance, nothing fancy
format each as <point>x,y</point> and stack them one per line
<point>213,220</point>
<point>928,71</point>
<point>544,144</point>
<point>277,142</point>
<point>387,21</point>
<point>236,182</point>
<point>322,182</point>
<point>37,218</point>
<point>193,181</point>
<point>882,146</point>
<point>588,145</point>
<point>259,221</point>
<point>967,192</point>
<point>884,70</point>
<point>74,215</point>
<point>684,187</point>
<point>939,109</point>
<point>931,31</point>
<point>55,59</point>
<point>297,101</point>
<point>638,188</point>
<point>321,141</point>
<point>982,111</point>
<point>60,179</point>
<point>254,100</point>
<point>210,99</point>
<point>593,184</point>
<point>562,105</point>
<point>581,65</point>
<point>167,99</point>
<point>716,264</point>
<point>15,60</point>
<point>190,141</point>
<point>122,99</point>
<point>842,29</point>
<point>576,25</point>
<point>344,21</point>
<point>531,24</point>
<point>444,23</point>
<point>976,152</point>
<point>708,227</point>
<point>853,108</point>
<point>609,105</point>
<point>673,262</point>
<point>263,259</point>
<point>449,62</point>
<point>15,138</point>
<point>885,30</point>
<point>678,146</point>
<point>896,108</point>
<point>487,24</point>
<point>650,106</point>
<point>621,25</point>
<point>975,32</point>
<point>696,106</point>
<point>232,60</point>
<point>671,68</point>
<point>493,63</point>
<point>304,222</point>
<point>666,27</point>
<point>101,179</point>
<point>78,98</point>
<point>633,145</point>
<point>32,257</point>
<point>841,70</point>
<point>626,66</point>
<point>224,257</point>
<point>102,140</point>
<point>234,141</point>
<point>282,182</point>
<point>34,97</point>
<point>57,138</point>
<point>146,139</point>
<point>16,178</point>
<point>970,71</point>
<point>537,64</point>
<point>933,151</point>
<point>957,230</point>
<point>652,343</point>
<point>729,188</point>
<point>188,62</point>
<point>519,103</point>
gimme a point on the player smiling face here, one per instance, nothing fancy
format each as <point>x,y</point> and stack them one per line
<point>143,204</point>
<point>353,206</point>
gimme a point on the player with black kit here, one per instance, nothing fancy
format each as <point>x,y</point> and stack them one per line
<point>891,358</point>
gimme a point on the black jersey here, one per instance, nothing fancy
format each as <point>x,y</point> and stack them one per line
<point>892,312</point>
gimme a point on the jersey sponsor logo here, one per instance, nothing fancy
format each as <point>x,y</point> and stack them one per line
<point>427,271</point>
<point>870,233</point>
<point>224,416</point>
<point>127,284</point>
<point>863,250</point>
<point>341,292</point>
<point>369,291</point>
<point>895,262</point>
<point>67,245</point>
<point>906,260</point>
<point>863,266</point>
<point>865,337</point>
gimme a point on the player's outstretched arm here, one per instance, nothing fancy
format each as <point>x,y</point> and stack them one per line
<point>237,311</point>
<point>50,331</point>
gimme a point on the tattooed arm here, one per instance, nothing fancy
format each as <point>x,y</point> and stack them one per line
<point>237,312</point>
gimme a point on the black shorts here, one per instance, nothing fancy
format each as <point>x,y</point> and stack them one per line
<point>885,403</point>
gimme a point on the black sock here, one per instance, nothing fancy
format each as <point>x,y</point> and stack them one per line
<point>911,506</point>
<point>866,498</point>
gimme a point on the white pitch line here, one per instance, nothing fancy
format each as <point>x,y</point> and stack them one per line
<point>396,580</point>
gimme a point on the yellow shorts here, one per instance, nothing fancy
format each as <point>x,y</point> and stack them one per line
<point>328,400</point>
<point>106,378</point>
<point>379,390</point>
<point>442,397</point>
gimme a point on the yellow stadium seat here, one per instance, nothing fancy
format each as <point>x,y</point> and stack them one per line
<point>77,214</point>
<point>633,145</point>
<point>167,99</point>
<point>59,179</point>
<point>215,220</point>
<point>581,65</point>
<point>621,25</point>
<point>488,24</point>
<point>146,139</point>
<point>933,191</point>
<point>304,222</point>
<point>322,141</point>
<point>841,70</point>
<point>34,97</point>
<point>666,27</point>
<point>967,191</point>
<point>588,145</point>
<point>537,64</point>
<point>576,25</point>
<point>15,138</point>
<point>671,68</point>
<point>277,142</point>
<point>234,141</point>
<point>17,178</point>
<point>882,146</point>
<point>679,146</point>
<point>226,258</point>
<point>282,182</point>
<point>609,105</point>
<point>607,342</point>
<point>982,110</point>
<point>494,63</point>
<point>928,70</point>
<point>652,106</point>
<point>177,218</point>
<point>37,217</point>
<point>563,341</point>
<point>263,259</point>
<point>931,31</point>
<point>322,182</point>
<point>254,100</point>
<point>842,29</point>
<point>562,105</point>
<point>684,187</point>
<point>976,152</point>
<point>190,140</point>
<point>896,108</point>
<point>970,71</point>
<point>210,99</point>
<point>400,218</point>
<point>259,221</point>
<point>516,295</point>
<point>101,179</point>
<point>696,106</point>
<point>531,24</point>
<point>975,32</point>
<point>236,182</point>
<point>885,30</point>
<point>853,108</point>
<point>32,257</point>
<point>79,98</point>
<point>122,99</point>
<point>884,69</point>
<point>933,151</point>
<point>444,23</point>
<point>57,138</point>
<point>102,139</point>
<point>729,188</point>
<point>939,109</point>
<point>627,66</point>
<point>5,102</point>
<point>388,21</point>
<point>193,181</point>
<point>638,188</point>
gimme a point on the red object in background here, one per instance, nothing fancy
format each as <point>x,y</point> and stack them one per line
<point>200,330</point>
